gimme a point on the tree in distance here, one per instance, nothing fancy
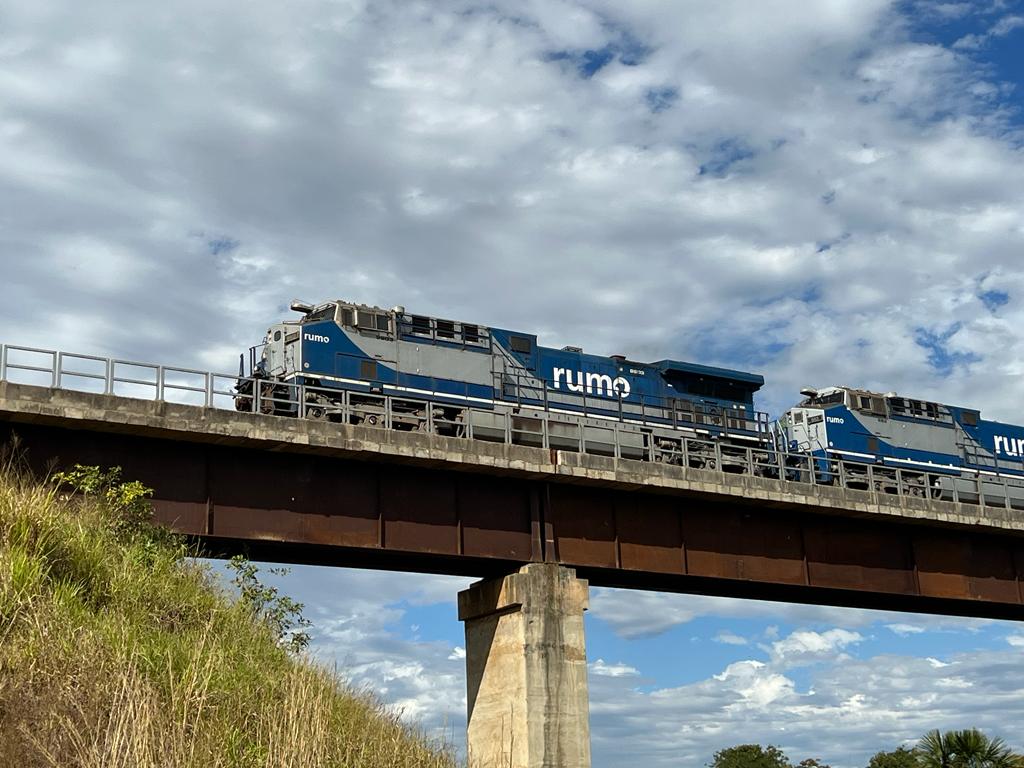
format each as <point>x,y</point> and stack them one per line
<point>901,757</point>
<point>750,756</point>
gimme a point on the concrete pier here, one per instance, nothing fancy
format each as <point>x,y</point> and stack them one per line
<point>526,670</point>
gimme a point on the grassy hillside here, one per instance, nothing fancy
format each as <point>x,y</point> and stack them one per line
<point>116,650</point>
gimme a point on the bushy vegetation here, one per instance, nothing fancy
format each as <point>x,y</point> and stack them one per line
<point>969,748</point>
<point>116,649</point>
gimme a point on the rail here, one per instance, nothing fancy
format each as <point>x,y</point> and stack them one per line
<point>626,438</point>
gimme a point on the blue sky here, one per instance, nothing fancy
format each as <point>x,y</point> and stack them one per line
<point>675,677</point>
<point>826,193</point>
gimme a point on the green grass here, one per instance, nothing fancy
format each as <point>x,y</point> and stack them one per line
<point>118,650</point>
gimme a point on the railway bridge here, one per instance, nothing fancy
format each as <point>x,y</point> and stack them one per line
<point>536,525</point>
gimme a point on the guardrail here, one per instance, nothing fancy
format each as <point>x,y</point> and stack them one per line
<point>633,438</point>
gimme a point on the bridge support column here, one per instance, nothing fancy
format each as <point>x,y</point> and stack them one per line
<point>526,670</point>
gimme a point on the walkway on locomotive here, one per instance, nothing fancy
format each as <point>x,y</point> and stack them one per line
<point>369,349</point>
<point>863,426</point>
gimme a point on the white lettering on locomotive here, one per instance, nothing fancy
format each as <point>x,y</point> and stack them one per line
<point>1011,446</point>
<point>316,337</point>
<point>591,383</point>
<point>834,420</point>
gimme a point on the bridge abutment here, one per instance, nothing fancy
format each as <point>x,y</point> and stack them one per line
<point>526,669</point>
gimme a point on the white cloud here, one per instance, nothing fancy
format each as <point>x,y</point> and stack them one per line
<point>805,646</point>
<point>903,630</point>
<point>636,614</point>
<point>729,638</point>
<point>756,685</point>
<point>1015,640</point>
<point>845,713</point>
<point>1001,28</point>
<point>603,669</point>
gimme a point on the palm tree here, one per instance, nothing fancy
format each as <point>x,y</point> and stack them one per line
<point>935,750</point>
<point>964,749</point>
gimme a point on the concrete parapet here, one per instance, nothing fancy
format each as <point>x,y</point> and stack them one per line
<point>526,670</point>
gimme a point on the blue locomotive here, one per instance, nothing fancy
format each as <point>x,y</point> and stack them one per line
<point>340,353</point>
<point>933,444</point>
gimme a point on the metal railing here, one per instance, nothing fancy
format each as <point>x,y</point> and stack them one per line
<point>529,427</point>
<point>527,389</point>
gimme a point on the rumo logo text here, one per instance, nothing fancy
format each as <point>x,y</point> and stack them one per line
<point>316,337</point>
<point>591,383</point>
<point>1011,446</point>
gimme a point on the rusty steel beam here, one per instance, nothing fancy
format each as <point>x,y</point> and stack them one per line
<point>302,507</point>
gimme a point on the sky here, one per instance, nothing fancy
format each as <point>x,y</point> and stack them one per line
<point>825,193</point>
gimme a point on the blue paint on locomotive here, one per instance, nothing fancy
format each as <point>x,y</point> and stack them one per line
<point>948,445</point>
<point>606,382</point>
<point>333,356</point>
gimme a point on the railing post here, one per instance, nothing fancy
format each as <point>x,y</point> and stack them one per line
<point>159,382</point>
<point>3,362</point>
<point>209,389</point>
<point>58,368</point>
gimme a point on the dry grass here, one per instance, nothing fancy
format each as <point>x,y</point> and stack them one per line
<point>117,651</point>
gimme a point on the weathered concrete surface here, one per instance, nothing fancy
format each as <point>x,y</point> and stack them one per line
<point>223,427</point>
<point>526,670</point>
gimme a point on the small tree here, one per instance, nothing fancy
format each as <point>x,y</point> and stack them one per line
<point>901,757</point>
<point>127,500</point>
<point>750,756</point>
<point>282,615</point>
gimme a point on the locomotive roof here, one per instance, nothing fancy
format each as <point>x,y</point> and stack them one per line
<point>755,381</point>
<point>709,370</point>
<point>825,391</point>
